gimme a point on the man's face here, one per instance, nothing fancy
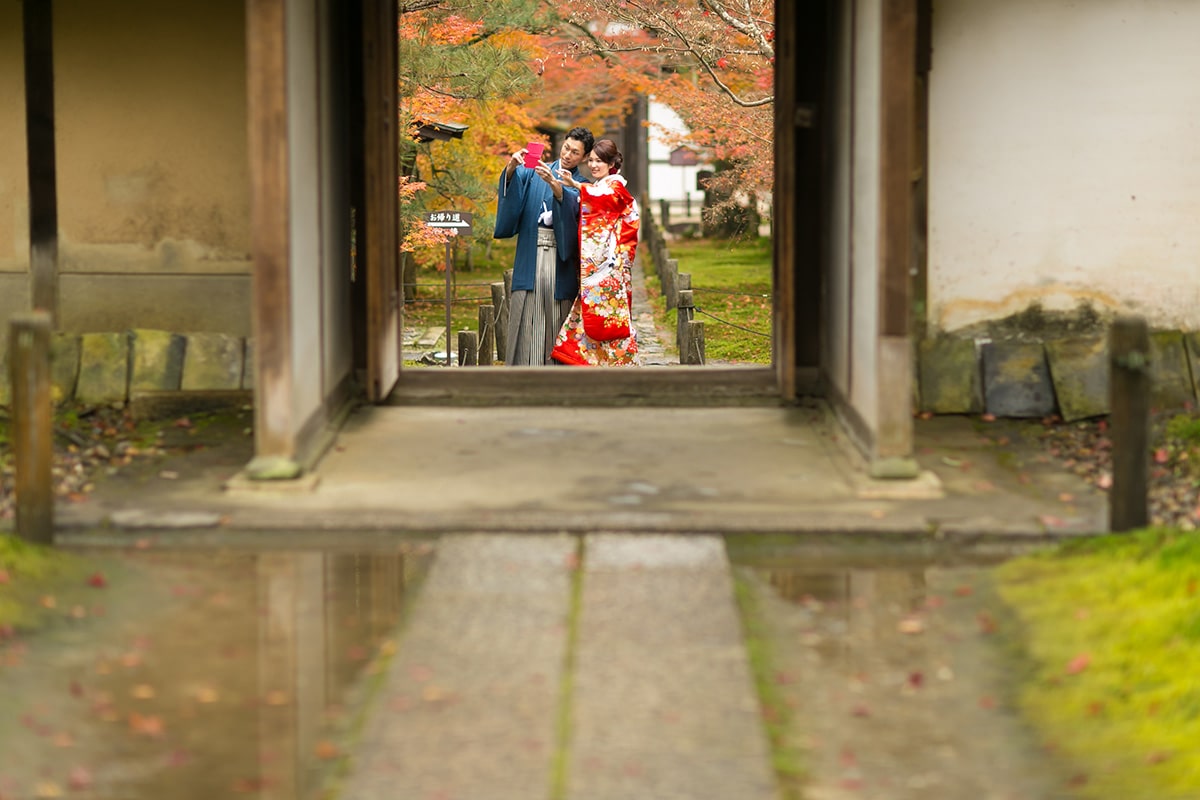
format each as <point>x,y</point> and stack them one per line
<point>571,153</point>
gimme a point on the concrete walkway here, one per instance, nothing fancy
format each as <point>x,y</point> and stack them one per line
<point>531,669</point>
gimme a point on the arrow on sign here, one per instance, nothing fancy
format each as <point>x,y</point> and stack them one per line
<point>459,220</point>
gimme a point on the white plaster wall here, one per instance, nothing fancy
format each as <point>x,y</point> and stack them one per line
<point>853,299</point>
<point>303,63</point>
<point>864,298</point>
<point>667,182</point>
<point>1064,142</point>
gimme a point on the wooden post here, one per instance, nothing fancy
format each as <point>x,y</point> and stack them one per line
<point>498,301</point>
<point>670,282</point>
<point>665,213</point>
<point>686,312</point>
<point>32,428</point>
<point>1129,401</point>
<point>695,351</point>
<point>487,335</point>
<point>38,32</point>
<point>468,348</point>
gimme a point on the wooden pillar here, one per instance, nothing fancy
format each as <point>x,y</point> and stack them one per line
<point>32,425</point>
<point>788,23</point>
<point>1129,400</point>
<point>894,437</point>
<point>270,214</point>
<point>382,201</point>
<point>38,24</point>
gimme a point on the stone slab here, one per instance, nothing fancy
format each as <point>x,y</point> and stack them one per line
<point>103,368</point>
<point>1191,342</point>
<point>156,360</point>
<point>948,376</point>
<point>664,705</point>
<point>470,704</point>
<point>213,361</point>
<point>1016,380</point>
<point>64,366</point>
<point>1079,371</point>
<point>1170,375</point>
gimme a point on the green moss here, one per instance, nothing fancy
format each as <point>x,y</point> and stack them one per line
<point>27,569</point>
<point>1113,627</point>
<point>786,757</point>
<point>1186,428</point>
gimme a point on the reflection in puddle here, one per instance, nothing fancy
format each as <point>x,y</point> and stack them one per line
<point>900,682</point>
<point>209,676</point>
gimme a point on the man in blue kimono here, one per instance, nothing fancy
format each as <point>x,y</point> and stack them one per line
<point>543,213</point>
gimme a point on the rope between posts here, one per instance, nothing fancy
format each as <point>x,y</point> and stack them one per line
<point>727,291</point>
<point>699,310</point>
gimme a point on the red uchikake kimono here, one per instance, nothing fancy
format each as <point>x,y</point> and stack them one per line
<point>599,330</point>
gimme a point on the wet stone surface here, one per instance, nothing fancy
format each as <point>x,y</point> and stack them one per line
<point>197,675</point>
<point>899,681</point>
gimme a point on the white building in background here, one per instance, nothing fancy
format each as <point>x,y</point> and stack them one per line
<point>667,181</point>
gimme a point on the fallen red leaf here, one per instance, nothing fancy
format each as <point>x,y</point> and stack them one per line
<point>916,680</point>
<point>98,580</point>
<point>4,576</point>
<point>987,623</point>
<point>80,778</point>
<point>1161,456</point>
<point>1078,664</point>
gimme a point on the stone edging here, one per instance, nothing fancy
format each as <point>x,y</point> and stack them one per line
<point>1067,376</point>
<point>113,368</point>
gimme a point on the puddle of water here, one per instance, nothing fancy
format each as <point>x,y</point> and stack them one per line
<point>200,675</point>
<point>899,679</point>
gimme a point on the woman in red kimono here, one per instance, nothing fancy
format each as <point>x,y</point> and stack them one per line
<point>599,330</point>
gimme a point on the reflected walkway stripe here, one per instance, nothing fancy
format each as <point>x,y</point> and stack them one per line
<point>470,705</point>
<point>664,705</point>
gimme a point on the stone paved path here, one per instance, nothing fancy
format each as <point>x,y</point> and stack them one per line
<point>512,680</point>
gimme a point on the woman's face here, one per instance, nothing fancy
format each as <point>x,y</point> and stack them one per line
<point>597,167</point>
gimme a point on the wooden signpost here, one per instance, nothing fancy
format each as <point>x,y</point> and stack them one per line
<point>460,223</point>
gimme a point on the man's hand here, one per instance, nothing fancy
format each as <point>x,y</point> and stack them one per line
<point>514,161</point>
<point>543,172</point>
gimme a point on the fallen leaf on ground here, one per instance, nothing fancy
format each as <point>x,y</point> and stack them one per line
<point>1078,664</point>
<point>80,778</point>
<point>146,725</point>
<point>326,750</point>
<point>911,625</point>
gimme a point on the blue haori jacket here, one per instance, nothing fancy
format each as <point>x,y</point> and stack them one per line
<point>517,209</point>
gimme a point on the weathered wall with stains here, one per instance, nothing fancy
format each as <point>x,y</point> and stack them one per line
<point>1064,166</point>
<point>153,195</point>
<point>14,185</point>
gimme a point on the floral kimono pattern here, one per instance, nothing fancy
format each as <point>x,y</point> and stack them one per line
<point>599,330</point>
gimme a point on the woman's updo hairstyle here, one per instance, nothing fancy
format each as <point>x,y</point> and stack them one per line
<point>607,152</point>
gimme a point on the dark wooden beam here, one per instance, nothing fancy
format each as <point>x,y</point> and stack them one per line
<point>38,24</point>
<point>270,211</point>
<point>783,345</point>
<point>897,92</point>
<point>892,452</point>
<point>380,251</point>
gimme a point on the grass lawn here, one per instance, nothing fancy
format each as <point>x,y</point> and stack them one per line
<point>1113,628</point>
<point>731,286</point>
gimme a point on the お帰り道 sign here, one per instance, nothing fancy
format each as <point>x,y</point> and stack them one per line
<point>459,221</point>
